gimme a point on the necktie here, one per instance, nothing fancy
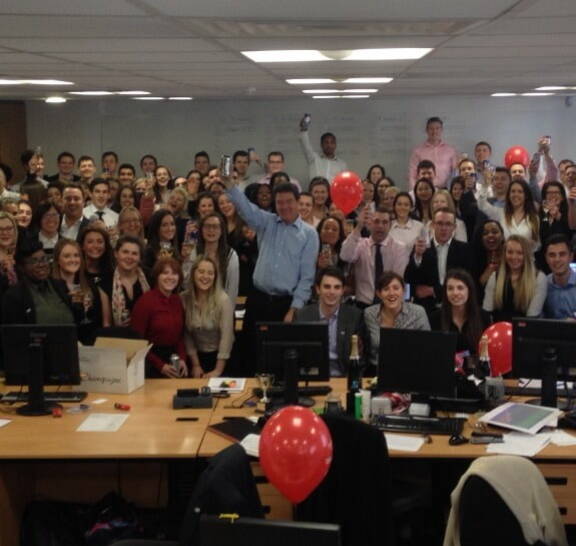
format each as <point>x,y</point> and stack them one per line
<point>378,265</point>
<point>99,213</point>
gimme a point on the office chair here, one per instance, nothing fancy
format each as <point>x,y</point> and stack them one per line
<point>480,515</point>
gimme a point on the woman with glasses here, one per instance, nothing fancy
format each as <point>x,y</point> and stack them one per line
<point>46,221</point>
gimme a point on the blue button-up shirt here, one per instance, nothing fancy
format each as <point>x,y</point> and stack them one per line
<point>287,253</point>
<point>561,300</point>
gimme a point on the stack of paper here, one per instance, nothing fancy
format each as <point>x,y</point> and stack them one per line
<point>561,438</point>
<point>404,442</point>
<point>518,443</point>
<point>251,444</point>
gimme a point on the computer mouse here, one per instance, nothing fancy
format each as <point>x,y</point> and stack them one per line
<point>457,440</point>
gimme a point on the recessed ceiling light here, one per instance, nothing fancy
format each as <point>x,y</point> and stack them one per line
<point>308,55</point>
<point>148,98</point>
<point>387,54</point>
<point>6,81</point>
<point>180,98</point>
<point>356,97</point>
<point>551,88</point>
<point>285,56</point>
<point>367,80</point>
<point>132,93</point>
<point>504,94</point>
<point>310,81</point>
<point>536,94</point>
<point>327,97</point>
<point>359,91</point>
<point>90,93</point>
<point>55,100</point>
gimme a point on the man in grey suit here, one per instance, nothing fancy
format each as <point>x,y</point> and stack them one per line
<point>343,320</point>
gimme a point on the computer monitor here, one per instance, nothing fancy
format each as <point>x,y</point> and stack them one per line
<point>417,361</point>
<point>544,349</point>
<point>309,339</point>
<point>38,355</point>
<point>251,531</point>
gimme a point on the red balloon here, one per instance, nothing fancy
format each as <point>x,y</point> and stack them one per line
<point>500,347</point>
<point>516,154</point>
<point>346,191</point>
<point>295,451</point>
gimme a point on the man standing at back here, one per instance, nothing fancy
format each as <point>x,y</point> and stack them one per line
<point>286,264</point>
<point>325,164</point>
<point>444,156</point>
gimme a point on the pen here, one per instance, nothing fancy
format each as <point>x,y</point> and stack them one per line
<point>186,418</point>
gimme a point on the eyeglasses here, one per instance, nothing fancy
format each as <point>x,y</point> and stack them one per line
<point>7,229</point>
<point>211,226</point>
<point>444,224</point>
<point>37,261</point>
<point>51,215</point>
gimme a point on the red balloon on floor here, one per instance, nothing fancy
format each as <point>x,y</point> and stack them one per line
<point>346,191</point>
<point>295,451</point>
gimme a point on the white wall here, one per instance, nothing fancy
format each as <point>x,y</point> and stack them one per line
<point>368,131</point>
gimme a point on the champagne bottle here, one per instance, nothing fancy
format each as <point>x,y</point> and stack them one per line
<point>354,376</point>
<point>483,368</point>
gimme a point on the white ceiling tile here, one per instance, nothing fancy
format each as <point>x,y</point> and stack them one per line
<point>101,7</point>
<point>513,40</point>
<point>543,8</point>
<point>139,57</point>
<point>15,26</point>
<point>528,26</point>
<point>325,10</point>
<point>502,52</point>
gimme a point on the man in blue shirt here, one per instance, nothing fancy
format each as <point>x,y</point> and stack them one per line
<point>287,254</point>
<point>561,299</point>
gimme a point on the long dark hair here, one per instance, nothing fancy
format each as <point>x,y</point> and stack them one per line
<point>342,236</point>
<point>418,212</point>
<point>154,232</point>
<point>563,203</point>
<point>106,261</point>
<point>529,208</point>
<point>478,243</point>
<point>223,252</point>
<point>475,326</point>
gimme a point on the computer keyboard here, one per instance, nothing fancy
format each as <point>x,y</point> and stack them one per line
<point>59,397</point>
<point>309,390</point>
<point>418,425</point>
<point>533,391</point>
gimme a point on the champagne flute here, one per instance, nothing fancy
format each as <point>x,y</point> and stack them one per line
<point>265,380</point>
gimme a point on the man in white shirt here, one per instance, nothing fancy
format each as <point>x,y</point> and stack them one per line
<point>240,163</point>
<point>73,208</point>
<point>325,164</point>
<point>98,209</point>
<point>87,170</point>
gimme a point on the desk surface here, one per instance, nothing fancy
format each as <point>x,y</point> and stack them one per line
<point>152,432</point>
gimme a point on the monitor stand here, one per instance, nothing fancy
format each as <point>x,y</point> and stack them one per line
<point>36,405</point>
<point>549,392</point>
<point>291,373</point>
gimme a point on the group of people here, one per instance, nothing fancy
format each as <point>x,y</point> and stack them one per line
<point>165,257</point>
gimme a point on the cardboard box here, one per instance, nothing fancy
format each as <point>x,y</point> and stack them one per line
<point>113,365</point>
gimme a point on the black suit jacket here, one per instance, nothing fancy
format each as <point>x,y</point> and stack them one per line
<point>459,256</point>
<point>349,323</point>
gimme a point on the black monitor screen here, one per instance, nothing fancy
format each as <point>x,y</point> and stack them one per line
<point>532,337</point>
<point>60,353</point>
<point>416,361</point>
<point>309,339</point>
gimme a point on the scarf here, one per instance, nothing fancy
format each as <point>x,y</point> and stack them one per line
<point>120,311</point>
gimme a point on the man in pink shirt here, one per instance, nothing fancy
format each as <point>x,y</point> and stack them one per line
<point>444,156</point>
<point>373,255</point>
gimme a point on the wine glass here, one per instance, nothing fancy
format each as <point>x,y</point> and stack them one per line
<point>265,380</point>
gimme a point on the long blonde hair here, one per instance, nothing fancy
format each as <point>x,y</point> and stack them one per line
<point>7,216</point>
<point>197,315</point>
<point>526,285</point>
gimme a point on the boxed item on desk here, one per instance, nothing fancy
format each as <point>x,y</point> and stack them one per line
<point>113,365</point>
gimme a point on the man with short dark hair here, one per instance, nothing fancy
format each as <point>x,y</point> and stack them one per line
<point>562,167</point>
<point>110,163</point>
<point>373,255</point>
<point>343,320</point>
<point>561,295</point>
<point>202,162</point>
<point>126,174</point>
<point>426,169</point>
<point>87,169</point>
<point>73,212</point>
<point>326,164</point>
<point>98,209</point>
<point>66,162</point>
<point>427,267</point>
<point>275,165</point>
<point>240,164</point>
<point>444,156</point>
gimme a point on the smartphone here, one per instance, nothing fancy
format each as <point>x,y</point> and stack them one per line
<point>226,165</point>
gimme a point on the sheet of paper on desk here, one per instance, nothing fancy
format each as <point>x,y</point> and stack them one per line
<point>4,422</point>
<point>562,438</point>
<point>102,422</point>
<point>519,443</point>
<point>404,442</point>
<point>251,444</point>
<point>228,384</point>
